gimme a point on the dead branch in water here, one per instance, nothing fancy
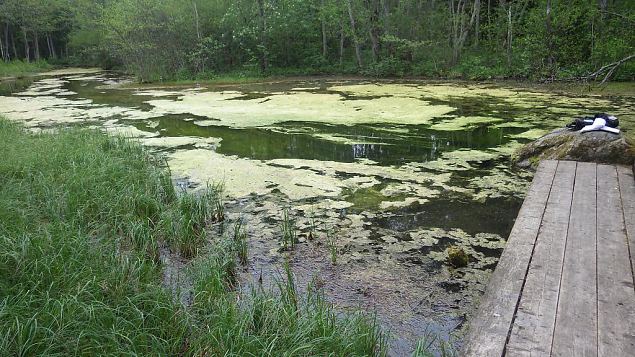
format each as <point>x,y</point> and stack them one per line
<point>607,70</point>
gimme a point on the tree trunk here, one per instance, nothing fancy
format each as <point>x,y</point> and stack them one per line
<point>358,53</point>
<point>386,14</point>
<point>592,37</point>
<point>461,29</point>
<point>374,31</point>
<point>53,51</point>
<point>374,40</point>
<point>15,50</point>
<point>324,43</point>
<point>200,62</point>
<point>7,55</point>
<point>489,21</point>
<point>603,6</point>
<point>2,50</point>
<point>264,60</point>
<point>509,35</point>
<point>477,26</point>
<point>5,32</point>
<point>27,50</point>
<point>342,38</point>
<point>51,46</point>
<point>550,59</point>
<point>48,44</point>
<point>198,29</point>
<point>36,41</point>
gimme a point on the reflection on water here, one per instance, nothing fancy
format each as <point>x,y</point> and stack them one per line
<point>9,86</point>
<point>395,193</point>
<point>299,140</point>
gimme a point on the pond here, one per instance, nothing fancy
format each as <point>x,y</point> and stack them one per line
<point>379,177</point>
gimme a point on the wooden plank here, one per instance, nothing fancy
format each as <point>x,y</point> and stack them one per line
<point>488,330</point>
<point>533,326</point>
<point>575,332</point>
<point>627,190</point>
<point>616,294</point>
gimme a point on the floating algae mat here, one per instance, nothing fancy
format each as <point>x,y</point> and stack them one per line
<point>379,178</point>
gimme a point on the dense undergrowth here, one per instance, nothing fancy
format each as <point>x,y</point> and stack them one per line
<point>83,221</point>
<point>19,68</point>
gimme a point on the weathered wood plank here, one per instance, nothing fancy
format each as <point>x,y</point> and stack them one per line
<point>616,294</point>
<point>627,189</point>
<point>488,330</point>
<point>533,326</point>
<point>575,331</point>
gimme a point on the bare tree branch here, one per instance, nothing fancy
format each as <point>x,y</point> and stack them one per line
<point>618,15</point>
<point>608,69</point>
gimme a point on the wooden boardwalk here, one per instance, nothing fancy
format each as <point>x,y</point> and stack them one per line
<point>564,283</point>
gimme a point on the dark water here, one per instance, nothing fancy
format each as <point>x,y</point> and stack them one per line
<point>298,142</point>
<point>392,261</point>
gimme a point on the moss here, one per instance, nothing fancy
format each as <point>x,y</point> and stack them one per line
<point>534,161</point>
<point>365,199</point>
<point>457,257</point>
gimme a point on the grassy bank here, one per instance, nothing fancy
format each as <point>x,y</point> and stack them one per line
<point>22,68</point>
<point>84,219</point>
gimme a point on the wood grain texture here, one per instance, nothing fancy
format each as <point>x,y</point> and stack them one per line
<point>533,327</point>
<point>576,317</point>
<point>488,330</point>
<point>616,294</point>
<point>565,284</point>
<point>627,190</point>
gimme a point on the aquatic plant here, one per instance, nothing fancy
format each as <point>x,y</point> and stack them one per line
<point>286,287</point>
<point>312,225</point>
<point>332,246</point>
<point>277,320</point>
<point>431,345</point>
<point>195,211</point>
<point>457,257</point>
<point>84,218</point>
<point>240,242</point>
<point>288,231</point>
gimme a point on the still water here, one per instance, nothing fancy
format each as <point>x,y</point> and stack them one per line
<point>388,174</point>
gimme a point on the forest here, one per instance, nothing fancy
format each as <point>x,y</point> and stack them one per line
<point>317,177</point>
<point>200,39</point>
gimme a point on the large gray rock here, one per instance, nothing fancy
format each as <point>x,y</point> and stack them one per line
<point>563,144</point>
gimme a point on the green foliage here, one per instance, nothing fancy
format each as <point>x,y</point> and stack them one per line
<point>78,247</point>
<point>187,223</point>
<point>276,321</point>
<point>388,67</point>
<point>288,231</point>
<point>19,68</point>
<point>161,40</point>
<point>83,216</point>
<point>430,345</point>
<point>240,242</point>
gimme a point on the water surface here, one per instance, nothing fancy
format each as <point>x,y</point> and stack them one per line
<point>390,173</point>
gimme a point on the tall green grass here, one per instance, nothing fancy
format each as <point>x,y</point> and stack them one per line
<point>275,321</point>
<point>82,216</point>
<point>19,68</point>
<point>288,231</point>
